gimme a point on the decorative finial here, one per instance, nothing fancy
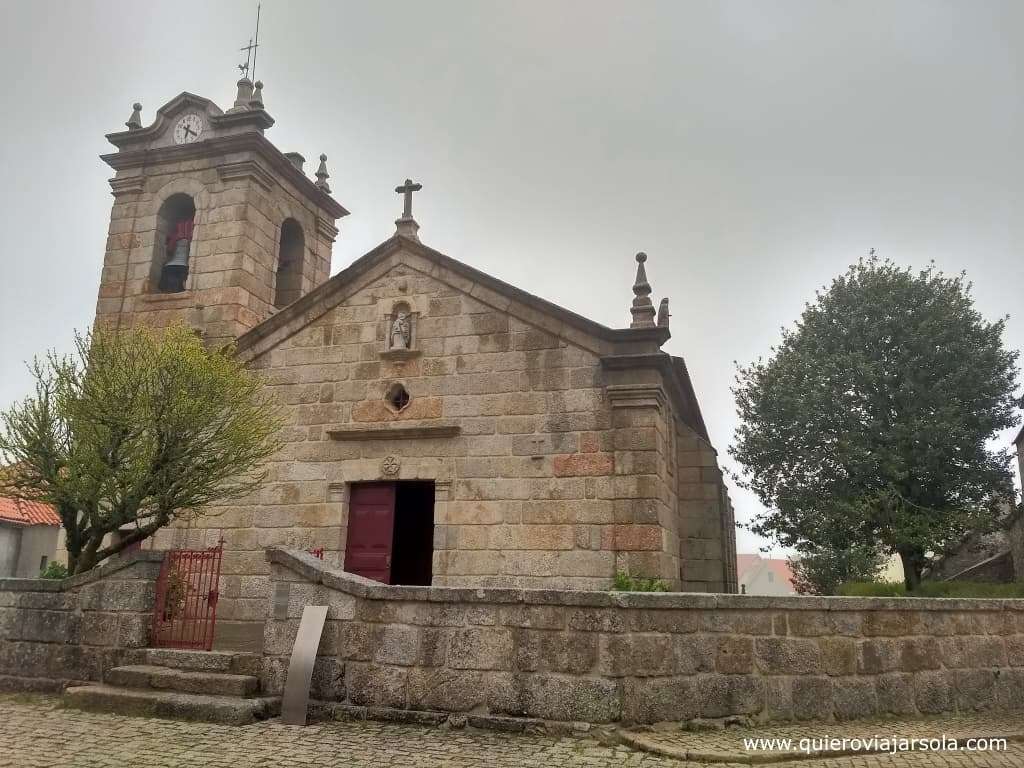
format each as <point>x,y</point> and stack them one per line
<point>322,175</point>
<point>256,102</point>
<point>135,121</point>
<point>663,313</point>
<point>244,95</point>
<point>407,225</point>
<point>642,309</point>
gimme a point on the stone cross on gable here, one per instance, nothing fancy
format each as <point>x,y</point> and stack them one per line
<point>406,190</point>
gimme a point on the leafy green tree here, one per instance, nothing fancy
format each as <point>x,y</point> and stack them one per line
<point>136,430</point>
<point>822,571</point>
<point>869,424</point>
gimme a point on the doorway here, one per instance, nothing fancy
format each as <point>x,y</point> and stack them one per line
<point>391,532</point>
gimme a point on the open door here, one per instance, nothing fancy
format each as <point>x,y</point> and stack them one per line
<point>371,528</point>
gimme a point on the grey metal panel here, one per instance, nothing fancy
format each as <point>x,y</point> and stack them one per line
<point>300,669</point>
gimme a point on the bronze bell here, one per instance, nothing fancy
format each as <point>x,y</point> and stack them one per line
<point>180,256</point>
<point>175,271</point>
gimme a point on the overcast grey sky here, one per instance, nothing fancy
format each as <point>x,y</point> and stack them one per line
<point>752,149</point>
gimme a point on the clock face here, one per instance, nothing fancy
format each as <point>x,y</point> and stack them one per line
<point>188,129</point>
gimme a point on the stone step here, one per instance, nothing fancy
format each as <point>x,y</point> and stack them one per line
<point>232,662</point>
<point>171,704</point>
<point>183,680</point>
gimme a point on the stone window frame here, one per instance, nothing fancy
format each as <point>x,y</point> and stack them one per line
<point>391,391</point>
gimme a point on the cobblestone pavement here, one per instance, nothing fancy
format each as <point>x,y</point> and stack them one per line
<point>38,731</point>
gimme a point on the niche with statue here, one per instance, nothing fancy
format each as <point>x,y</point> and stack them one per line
<point>400,333</point>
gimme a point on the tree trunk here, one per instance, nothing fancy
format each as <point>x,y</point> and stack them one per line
<point>86,559</point>
<point>912,565</point>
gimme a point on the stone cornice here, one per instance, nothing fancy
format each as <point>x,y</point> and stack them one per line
<point>246,169</point>
<point>635,395</point>
<point>326,229</point>
<point>224,145</point>
<point>675,381</point>
<point>129,185</point>
<point>389,432</point>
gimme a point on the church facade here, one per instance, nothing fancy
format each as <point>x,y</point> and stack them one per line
<point>442,427</point>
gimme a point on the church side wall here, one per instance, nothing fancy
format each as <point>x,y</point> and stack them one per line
<point>707,528</point>
<point>643,658</point>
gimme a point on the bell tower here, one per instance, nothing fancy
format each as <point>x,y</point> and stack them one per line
<point>211,223</point>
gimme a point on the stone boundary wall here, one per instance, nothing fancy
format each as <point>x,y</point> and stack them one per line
<point>607,657</point>
<point>54,632</point>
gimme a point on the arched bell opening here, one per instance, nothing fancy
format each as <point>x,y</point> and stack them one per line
<point>175,223</point>
<point>291,253</point>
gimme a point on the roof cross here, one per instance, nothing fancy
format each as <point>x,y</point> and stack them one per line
<point>407,189</point>
<point>244,68</point>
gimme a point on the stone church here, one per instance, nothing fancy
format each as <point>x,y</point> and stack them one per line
<point>443,427</point>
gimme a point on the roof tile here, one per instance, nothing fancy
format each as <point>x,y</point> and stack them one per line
<point>27,512</point>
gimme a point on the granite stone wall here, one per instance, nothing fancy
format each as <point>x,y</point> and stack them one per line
<point>614,657</point>
<point>56,632</point>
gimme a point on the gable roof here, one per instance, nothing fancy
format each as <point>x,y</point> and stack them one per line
<point>27,512</point>
<point>336,284</point>
<point>639,346</point>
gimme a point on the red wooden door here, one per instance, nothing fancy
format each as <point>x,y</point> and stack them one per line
<point>371,527</point>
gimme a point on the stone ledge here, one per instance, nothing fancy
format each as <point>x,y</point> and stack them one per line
<point>318,572</point>
<point>394,433</point>
<point>185,296</point>
<point>400,354</point>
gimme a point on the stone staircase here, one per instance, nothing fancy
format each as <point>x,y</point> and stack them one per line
<point>211,686</point>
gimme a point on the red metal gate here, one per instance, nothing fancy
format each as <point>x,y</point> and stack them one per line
<point>186,598</point>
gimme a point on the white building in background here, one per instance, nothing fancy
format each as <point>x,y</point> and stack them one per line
<point>28,537</point>
<point>764,575</point>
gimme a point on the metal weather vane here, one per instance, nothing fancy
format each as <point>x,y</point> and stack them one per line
<point>251,49</point>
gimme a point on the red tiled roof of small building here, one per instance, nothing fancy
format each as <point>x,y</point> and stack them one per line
<point>27,512</point>
<point>745,563</point>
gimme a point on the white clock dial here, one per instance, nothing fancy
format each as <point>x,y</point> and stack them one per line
<point>188,129</point>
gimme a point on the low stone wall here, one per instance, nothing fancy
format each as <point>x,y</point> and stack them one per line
<point>55,632</point>
<point>643,657</point>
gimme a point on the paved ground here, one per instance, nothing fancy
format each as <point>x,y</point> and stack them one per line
<point>37,732</point>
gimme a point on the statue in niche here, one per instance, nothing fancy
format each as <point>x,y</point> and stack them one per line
<point>401,331</point>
